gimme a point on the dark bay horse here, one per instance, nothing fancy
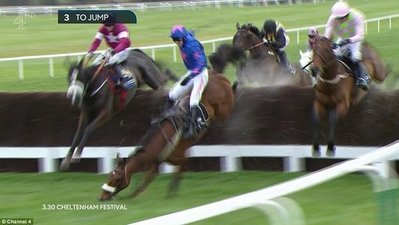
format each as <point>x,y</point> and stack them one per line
<point>92,90</point>
<point>335,91</point>
<point>164,141</point>
<point>262,65</point>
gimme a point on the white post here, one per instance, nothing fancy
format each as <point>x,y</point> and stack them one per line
<point>166,168</point>
<point>153,53</point>
<point>47,165</point>
<point>230,164</point>
<point>378,26</point>
<point>105,164</point>
<point>174,54</point>
<point>51,67</point>
<point>293,164</point>
<point>21,69</point>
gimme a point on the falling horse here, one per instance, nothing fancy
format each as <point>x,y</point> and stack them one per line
<point>335,91</point>
<point>262,65</point>
<point>165,141</point>
<point>92,90</point>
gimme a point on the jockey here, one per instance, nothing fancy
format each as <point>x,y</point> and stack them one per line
<point>117,38</point>
<point>194,80</point>
<point>348,24</point>
<point>275,35</point>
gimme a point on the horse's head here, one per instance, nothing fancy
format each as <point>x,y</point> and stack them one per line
<point>323,55</point>
<point>247,36</point>
<point>76,81</point>
<point>116,182</point>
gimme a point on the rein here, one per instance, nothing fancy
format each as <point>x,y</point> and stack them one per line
<point>98,70</point>
<point>336,79</point>
<point>254,46</point>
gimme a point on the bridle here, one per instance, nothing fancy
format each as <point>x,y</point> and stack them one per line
<point>109,188</point>
<point>327,63</point>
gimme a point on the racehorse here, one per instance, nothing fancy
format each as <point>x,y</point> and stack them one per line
<point>335,91</point>
<point>165,141</point>
<point>92,90</point>
<point>262,64</point>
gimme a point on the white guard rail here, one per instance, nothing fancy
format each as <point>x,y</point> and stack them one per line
<point>263,197</point>
<point>229,155</point>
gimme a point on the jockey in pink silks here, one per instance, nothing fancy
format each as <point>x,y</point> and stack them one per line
<point>348,25</point>
<point>117,38</point>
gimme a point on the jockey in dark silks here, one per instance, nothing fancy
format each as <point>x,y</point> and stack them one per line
<point>196,77</point>
<point>274,34</point>
<point>117,38</point>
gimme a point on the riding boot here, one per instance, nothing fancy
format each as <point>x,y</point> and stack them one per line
<point>123,78</point>
<point>284,62</point>
<point>362,78</point>
<point>197,121</point>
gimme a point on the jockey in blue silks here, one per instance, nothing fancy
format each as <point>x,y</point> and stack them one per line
<point>194,80</point>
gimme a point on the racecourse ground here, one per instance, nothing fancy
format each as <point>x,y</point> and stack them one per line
<point>49,198</point>
<point>41,35</point>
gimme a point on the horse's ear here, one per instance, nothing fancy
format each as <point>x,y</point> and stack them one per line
<point>119,161</point>
<point>300,53</point>
<point>237,26</point>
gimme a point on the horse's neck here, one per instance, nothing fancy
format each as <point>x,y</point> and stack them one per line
<point>259,50</point>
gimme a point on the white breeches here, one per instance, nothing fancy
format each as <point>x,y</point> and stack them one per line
<point>196,85</point>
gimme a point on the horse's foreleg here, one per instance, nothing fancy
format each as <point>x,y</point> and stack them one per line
<point>149,177</point>
<point>332,123</point>
<point>316,114</point>
<point>176,179</point>
<point>78,136</point>
<point>102,118</point>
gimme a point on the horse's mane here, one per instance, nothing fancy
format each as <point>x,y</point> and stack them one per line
<point>252,28</point>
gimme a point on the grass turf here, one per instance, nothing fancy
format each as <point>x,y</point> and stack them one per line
<point>347,200</point>
<point>42,35</point>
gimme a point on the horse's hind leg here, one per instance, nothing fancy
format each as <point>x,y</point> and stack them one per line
<point>176,179</point>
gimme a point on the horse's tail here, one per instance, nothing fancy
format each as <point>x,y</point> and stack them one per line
<point>225,54</point>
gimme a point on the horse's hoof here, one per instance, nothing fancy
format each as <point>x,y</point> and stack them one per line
<point>75,158</point>
<point>330,150</point>
<point>316,151</point>
<point>64,165</point>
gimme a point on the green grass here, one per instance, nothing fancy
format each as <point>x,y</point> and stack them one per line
<point>347,200</point>
<point>42,35</point>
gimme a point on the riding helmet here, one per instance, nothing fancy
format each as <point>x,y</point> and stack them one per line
<point>269,26</point>
<point>178,31</point>
<point>340,9</point>
<point>110,21</point>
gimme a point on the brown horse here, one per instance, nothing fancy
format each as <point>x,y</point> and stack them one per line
<point>335,91</point>
<point>92,90</point>
<point>262,65</point>
<point>165,141</point>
